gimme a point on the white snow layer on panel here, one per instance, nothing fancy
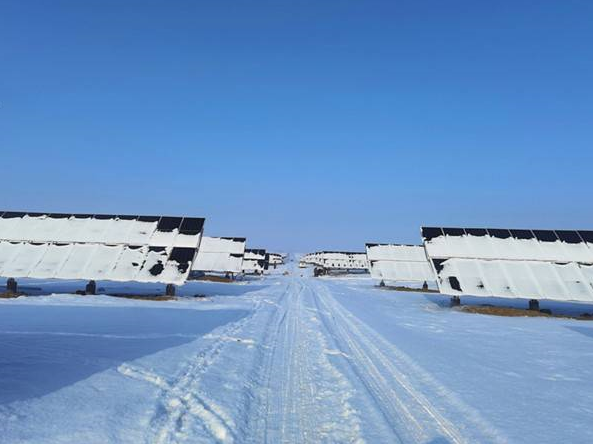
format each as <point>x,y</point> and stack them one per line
<point>90,230</point>
<point>91,262</point>
<point>218,262</point>
<point>253,266</point>
<point>255,254</point>
<point>23,257</point>
<point>511,279</point>
<point>53,260</point>
<point>104,247</point>
<point>490,247</point>
<point>276,259</point>
<point>402,271</point>
<point>399,263</point>
<point>538,264</point>
<point>309,259</point>
<point>222,245</point>
<point>393,252</point>
<point>218,254</point>
<point>344,261</point>
<point>336,260</point>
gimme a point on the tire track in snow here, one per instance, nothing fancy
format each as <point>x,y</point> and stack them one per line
<point>304,399</point>
<point>306,362</point>
<point>400,387</point>
<point>182,413</point>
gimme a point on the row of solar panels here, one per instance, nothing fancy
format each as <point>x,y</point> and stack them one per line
<point>538,264</point>
<point>512,263</point>
<point>336,260</point>
<point>118,248</point>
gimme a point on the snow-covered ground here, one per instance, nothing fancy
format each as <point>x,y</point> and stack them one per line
<point>289,359</point>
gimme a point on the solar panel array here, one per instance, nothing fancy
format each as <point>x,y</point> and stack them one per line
<point>255,261</point>
<point>276,259</point>
<point>337,260</point>
<point>220,254</point>
<point>403,263</point>
<point>98,247</point>
<point>310,259</point>
<point>538,264</point>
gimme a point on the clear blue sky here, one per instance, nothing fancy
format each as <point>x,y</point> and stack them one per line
<point>301,125</point>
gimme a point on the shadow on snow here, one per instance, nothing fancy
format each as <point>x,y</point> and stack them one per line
<point>43,349</point>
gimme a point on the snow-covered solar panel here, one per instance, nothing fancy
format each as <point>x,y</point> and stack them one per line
<point>255,261</point>
<point>275,259</point>
<point>405,263</point>
<point>98,247</point>
<point>103,228</point>
<point>220,254</point>
<point>254,253</point>
<point>309,259</point>
<point>513,263</point>
<point>337,260</point>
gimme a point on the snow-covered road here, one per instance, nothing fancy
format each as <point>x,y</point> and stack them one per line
<point>299,360</point>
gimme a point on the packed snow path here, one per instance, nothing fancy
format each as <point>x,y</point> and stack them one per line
<point>311,364</point>
<point>294,359</point>
<point>321,361</point>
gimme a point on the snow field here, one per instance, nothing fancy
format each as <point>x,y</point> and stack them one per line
<point>290,359</point>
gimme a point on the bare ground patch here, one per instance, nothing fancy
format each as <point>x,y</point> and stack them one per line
<point>10,295</point>
<point>518,312</point>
